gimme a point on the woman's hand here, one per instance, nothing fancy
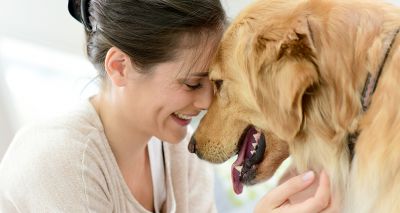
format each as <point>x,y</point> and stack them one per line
<point>277,200</point>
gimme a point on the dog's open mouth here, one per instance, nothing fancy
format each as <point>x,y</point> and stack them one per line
<point>252,147</point>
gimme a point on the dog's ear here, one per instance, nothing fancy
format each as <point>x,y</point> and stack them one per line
<point>287,78</point>
<point>298,41</point>
<point>293,80</point>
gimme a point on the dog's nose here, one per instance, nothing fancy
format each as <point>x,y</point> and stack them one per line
<point>192,145</point>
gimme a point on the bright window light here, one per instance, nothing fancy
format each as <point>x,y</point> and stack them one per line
<point>44,82</point>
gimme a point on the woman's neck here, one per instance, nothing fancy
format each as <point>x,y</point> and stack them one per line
<point>130,150</point>
<point>128,145</point>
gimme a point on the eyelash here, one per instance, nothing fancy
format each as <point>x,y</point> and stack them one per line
<point>194,87</point>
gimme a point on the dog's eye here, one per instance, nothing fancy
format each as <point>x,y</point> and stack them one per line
<point>218,84</point>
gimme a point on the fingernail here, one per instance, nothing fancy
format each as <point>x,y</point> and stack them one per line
<point>307,176</point>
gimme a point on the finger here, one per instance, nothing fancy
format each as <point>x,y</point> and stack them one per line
<point>324,189</point>
<point>280,194</point>
<point>290,172</point>
<point>319,201</point>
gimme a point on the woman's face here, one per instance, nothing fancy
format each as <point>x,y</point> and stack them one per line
<point>163,102</point>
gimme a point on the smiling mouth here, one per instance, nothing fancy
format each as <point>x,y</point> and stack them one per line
<point>182,119</point>
<point>251,151</point>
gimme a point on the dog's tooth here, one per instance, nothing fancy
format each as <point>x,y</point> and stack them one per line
<point>252,152</point>
<point>256,136</point>
<point>254,145</point>
<point>239,168</point>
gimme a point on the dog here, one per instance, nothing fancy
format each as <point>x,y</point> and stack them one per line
<point>317,80</point>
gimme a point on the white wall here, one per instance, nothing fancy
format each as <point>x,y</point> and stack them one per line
<point>44,22</point>
<point>7,124</point>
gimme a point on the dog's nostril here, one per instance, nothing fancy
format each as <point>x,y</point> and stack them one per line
<point>192,145</point>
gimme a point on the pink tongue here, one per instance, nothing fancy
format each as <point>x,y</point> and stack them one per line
<point>237,185</point>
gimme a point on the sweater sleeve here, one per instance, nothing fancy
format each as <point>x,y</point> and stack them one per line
<point>52,170</point>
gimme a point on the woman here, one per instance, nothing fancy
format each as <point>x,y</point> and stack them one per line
<point>119,151</point>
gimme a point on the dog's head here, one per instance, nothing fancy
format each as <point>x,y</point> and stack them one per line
<point>262,73</point>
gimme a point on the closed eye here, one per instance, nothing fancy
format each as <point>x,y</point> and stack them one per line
<point>193,87</point>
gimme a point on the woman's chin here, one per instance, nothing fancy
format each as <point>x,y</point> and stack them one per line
<point>174,132</point>
<point>174,135</point>
<point>178,137</point>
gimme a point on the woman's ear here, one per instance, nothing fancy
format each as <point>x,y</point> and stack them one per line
<point>117,65</point>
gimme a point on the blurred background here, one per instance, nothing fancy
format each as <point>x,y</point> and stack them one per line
<point>44,72</point>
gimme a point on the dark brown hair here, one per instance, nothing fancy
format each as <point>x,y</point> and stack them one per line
<point>149,31</point>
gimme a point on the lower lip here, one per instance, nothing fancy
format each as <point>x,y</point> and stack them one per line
<point>181,122</point>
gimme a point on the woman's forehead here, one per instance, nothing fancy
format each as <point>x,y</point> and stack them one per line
<point>196,61</point>
<point>193,67</point>
<point>183,67</point>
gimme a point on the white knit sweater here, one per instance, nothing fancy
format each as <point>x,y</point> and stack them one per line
<point>68,166</point>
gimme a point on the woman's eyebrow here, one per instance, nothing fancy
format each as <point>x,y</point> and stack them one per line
<point>199,74</point>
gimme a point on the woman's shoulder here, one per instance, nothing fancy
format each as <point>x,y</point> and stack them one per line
<point>52,136</point>
<point>61,152</point>
<point>64,139</point>
<point>77,125</point>
<point>55,164</point>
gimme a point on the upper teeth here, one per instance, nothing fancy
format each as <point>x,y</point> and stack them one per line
<point>239,168</point>
<point>182,116</point>
<point>257,136</point>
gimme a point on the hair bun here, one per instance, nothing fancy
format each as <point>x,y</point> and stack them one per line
<point>79,9</point>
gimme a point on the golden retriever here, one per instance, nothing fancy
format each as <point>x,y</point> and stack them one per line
<point>292,77</point>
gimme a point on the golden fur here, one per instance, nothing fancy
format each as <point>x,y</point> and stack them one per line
<point>295,70</point>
